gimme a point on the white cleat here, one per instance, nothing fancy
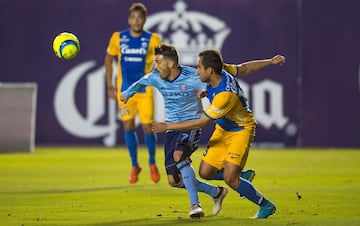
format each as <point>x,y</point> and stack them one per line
<point>196,211</point>
<point>219,199</point>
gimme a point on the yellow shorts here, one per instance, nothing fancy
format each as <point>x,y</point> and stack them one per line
<point>141,104</point>
<point>225,146</point>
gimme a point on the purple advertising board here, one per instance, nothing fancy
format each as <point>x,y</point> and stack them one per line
<point>311,101</point>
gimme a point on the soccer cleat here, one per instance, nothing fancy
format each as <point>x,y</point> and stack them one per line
<point>265,211</point>
<point>134,175</point>
<point>219,199</point>
<point>196,211</point>
<point>154,172</point>
<point>248,174</point>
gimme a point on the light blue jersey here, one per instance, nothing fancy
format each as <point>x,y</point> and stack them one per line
<point>180,95</point>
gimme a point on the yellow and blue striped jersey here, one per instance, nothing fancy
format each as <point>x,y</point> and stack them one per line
<point>135,55</point>
<point>229,105</point>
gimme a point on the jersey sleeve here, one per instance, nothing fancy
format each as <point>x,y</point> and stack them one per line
<point>113,48</point>
<point>222,103</point>
<point>155,40</point>
<point>147,80</point>
<point>231,68</point>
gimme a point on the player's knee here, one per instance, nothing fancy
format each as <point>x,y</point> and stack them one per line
<point>205,174</point>
<point>232,180</point>
<point>175,180</point>
<point>147,128</point>
<point>178,155</point>
<point>129,125</point>
<point>207,171</point>
<point>174,184</point>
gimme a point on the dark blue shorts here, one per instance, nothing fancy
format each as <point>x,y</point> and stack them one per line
<point>186,141</point>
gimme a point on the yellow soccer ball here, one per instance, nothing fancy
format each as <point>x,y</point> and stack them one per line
<point>66,46</point>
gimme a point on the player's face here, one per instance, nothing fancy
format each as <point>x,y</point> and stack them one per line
<point>202,72</point>
<point>136,21</point>
<point>162,66</point>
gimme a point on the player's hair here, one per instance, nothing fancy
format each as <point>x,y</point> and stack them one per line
<point>213,59</point>
<point>138,6</point>
<point>168,51</point>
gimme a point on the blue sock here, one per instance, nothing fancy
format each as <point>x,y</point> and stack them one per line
<point>189,180</point>
<point>218,175</point>
<point>206,188</point>
<point>150,140</point>
<point>246,189</point>
<point>131,143</point>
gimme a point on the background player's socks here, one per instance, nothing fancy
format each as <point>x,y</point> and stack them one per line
<point>131,143</point>
<point>150,141</point>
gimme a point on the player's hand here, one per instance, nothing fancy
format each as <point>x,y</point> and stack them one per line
<point>123,98</point>
<point>278,59</point>
<point>159,127</point>
<point>111,92</point>
<point>201,94</point>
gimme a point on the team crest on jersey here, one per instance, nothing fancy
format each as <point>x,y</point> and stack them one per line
<point>124,38</point>
<point>144,44</point>
<point>183,87</point>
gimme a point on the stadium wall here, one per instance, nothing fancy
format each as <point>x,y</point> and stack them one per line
<point>311,101</point>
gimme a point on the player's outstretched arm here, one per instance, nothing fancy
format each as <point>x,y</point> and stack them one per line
<point>162,127</point>
<point>256,65</point>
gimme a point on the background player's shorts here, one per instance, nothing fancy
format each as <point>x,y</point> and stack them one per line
<point>225,146</point>
<point>141,104</point>
<point>186,141</point>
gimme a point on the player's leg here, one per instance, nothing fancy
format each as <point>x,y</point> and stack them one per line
<point>145,107</point>
<point>187,144</point>
<point>128,112</point>
<point>237,152</point>
<point>215,174</point>
<point>245,188</point>
<point>176,169</point>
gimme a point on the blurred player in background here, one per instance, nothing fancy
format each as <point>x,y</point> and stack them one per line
<point>229,144</point>
<point>133,48</point>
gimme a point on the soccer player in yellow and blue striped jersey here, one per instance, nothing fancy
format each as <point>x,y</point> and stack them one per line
<point>134,50</point>
<point>234,132</point>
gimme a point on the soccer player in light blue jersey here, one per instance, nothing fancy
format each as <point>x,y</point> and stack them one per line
<point>234,132</point>
<point>179,86</point>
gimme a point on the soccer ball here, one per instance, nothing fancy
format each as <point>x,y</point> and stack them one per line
<point>66,46</point>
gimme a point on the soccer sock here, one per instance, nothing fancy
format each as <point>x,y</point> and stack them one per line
<point>150,140</point>
<point>131,143</point>
<point>246,189</point>
<point>189,180</point>
<point>206,188</point>
<point>218,175</point>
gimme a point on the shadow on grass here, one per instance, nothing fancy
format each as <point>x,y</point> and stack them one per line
<point>74,190</point>
<point>208,221</point>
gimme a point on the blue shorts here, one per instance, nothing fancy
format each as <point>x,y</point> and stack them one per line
<point>185,141</point>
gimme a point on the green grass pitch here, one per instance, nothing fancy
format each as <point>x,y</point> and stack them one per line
<point>89,186</point>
